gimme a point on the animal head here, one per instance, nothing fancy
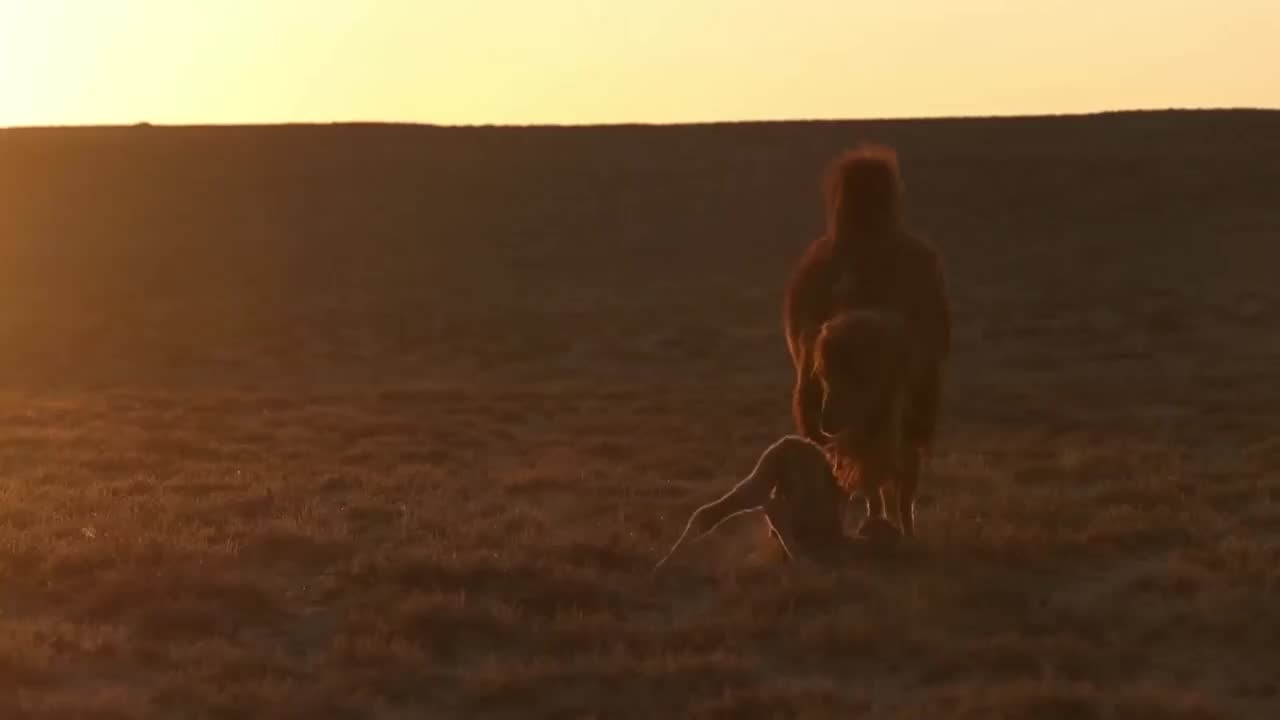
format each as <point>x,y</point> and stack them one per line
<point>861,361</point>
<point>806,495</point>
<point>863,189</point>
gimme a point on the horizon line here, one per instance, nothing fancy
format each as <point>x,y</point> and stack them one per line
<point>649,124</point>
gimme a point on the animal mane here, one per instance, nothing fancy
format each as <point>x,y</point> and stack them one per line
<point>863,189</point>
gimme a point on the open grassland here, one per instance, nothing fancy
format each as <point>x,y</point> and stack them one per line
<point>390,422</point>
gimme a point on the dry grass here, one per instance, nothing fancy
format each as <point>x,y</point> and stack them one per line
<point>404,487</point>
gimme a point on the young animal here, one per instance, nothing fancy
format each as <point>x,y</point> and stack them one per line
<point>794,485</point>
<point>867,259</point>
<point>803,501</point>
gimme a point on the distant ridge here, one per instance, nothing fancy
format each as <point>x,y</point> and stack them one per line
<point>903,120</point>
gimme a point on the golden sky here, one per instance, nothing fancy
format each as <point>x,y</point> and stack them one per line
<point>73,62</point>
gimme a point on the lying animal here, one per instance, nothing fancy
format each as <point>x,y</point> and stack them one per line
<point>861,363</point>
<point>796,488</point>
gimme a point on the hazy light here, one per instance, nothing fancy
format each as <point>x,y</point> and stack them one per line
<point>562,61</point>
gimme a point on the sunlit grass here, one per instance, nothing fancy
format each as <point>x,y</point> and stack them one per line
<point>312,481</point>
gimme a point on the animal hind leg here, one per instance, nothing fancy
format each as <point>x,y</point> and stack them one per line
<point>778,514</point>
<point>752,493</point>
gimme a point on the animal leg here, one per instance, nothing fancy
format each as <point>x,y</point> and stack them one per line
<point>778,513</point>
<point>877,527</point>
<point>875,503</point>
<point>907,490</point>
<point>889,497</point>
<point>750,494</point>
<point>806,405</point>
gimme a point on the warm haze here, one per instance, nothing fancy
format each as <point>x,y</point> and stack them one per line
<point>375,421</point>
<point>77,62</point>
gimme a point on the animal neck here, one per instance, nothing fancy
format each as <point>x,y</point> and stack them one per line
<point>863,252</point>
<point>853,225</point>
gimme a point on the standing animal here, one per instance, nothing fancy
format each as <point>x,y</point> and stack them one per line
<point>861,363</point>
<point>868,259</point>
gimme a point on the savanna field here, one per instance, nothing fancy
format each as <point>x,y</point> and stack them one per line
<point>393,421</point>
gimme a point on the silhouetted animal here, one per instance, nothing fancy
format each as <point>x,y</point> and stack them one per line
<point>868,259</point>
<point>861,361</point>
<point>793,483</point>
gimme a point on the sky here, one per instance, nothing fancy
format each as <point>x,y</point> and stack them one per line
<point>519,62</point>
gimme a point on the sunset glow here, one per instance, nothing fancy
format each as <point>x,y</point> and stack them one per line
<point>69,62</point>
